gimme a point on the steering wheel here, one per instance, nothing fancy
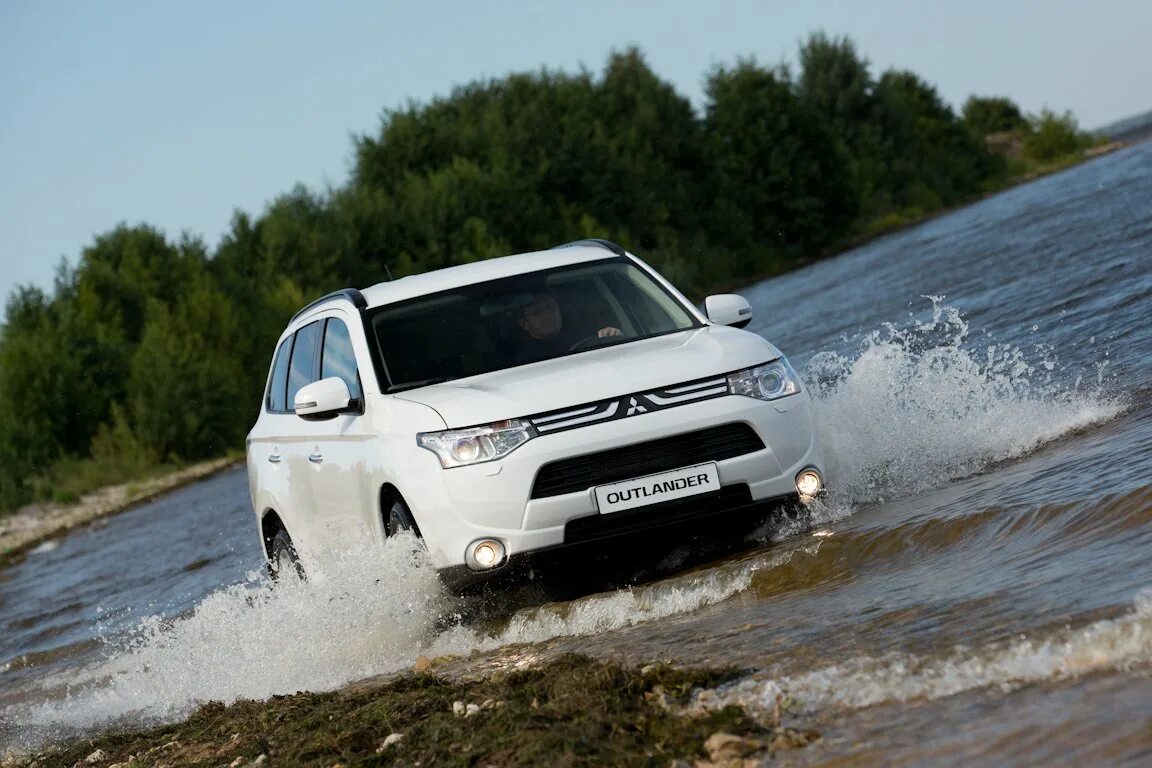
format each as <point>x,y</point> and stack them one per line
<point>585,342</point>
<point>600,335</point>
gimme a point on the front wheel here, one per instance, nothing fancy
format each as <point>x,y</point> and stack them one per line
<point>399,519</point>
<point>282,558</point>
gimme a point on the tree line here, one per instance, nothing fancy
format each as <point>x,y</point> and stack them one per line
<point>151,350</point>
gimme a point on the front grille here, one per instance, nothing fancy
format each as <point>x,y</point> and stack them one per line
<point>583,472</point>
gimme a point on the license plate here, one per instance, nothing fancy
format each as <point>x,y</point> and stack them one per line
<point>653,489</point>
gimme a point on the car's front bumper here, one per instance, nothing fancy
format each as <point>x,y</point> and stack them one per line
<point>455,507</point>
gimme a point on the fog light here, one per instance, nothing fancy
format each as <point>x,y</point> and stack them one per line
<point>808,483</point>
<point>484,554</point>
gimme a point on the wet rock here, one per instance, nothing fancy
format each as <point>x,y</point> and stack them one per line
<point>96,757</point>
<point>790,738</point>
<point>727,750</point>
<point>389,740</point>
<point>721,742</point>
<point>11,758</point>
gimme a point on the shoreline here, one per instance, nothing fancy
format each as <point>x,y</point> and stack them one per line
<point>36,523</point>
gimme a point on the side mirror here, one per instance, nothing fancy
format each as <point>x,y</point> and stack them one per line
<point>728,309</point>
<point>322,399</point>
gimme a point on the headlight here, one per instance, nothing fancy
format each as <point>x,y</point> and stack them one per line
<point>770,381</point>
<point>460,447</point>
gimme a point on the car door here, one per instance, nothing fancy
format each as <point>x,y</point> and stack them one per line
<point>296,442</point>
<point>340,448</point>
<point>270,483</point>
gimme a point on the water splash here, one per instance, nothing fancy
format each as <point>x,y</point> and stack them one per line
<point>865,681</point>
<point>359,615</point>
<point>921,406</point>
<point>356,617</point>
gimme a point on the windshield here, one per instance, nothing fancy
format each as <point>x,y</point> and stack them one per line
<point>519,320</point>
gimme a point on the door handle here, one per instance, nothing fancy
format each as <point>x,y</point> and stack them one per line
<point>274,458</point>
<point>315,458</point>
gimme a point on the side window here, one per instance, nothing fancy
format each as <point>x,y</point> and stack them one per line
<point>303,369</point>
<point>275,399</point>
<point>338,359</point>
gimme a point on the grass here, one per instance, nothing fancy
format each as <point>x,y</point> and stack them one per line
<point>572,711</point>
<point>69,479</point>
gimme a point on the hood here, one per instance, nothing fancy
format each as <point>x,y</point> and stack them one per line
<point>595,375</point>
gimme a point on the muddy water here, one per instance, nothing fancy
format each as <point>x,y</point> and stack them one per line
<point>977,588</point>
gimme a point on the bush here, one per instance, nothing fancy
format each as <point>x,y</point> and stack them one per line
<point>1052,137</point>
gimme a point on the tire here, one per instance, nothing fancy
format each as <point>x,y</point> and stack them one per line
<point>282,558</point>
<point>399,519</point>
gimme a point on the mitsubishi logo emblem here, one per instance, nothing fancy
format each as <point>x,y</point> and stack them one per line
<point>635,407</point>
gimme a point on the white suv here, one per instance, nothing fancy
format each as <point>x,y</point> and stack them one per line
<point>511,411</point>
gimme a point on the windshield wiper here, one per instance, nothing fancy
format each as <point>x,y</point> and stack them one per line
<point>420,383</point>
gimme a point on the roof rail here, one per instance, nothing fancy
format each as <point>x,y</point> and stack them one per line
<point>349,294</point>
<point>593,242</point>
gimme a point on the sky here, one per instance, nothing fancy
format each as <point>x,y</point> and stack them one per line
<point>177,114</point>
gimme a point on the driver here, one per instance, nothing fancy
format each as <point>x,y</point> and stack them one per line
<point>544,333</point>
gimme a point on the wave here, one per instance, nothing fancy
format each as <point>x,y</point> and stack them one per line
<point>864,681</point>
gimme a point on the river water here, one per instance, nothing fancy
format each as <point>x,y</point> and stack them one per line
<point>976,589</point>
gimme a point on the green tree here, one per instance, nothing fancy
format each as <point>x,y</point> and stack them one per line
<point>835,79</point>
<point>1052,136</point>
<point>992,114</point>
<point>930,157</point>
<point>186,396</point>
<point>34,391</point>
<point>782,179</point>
<point>522,161</point>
